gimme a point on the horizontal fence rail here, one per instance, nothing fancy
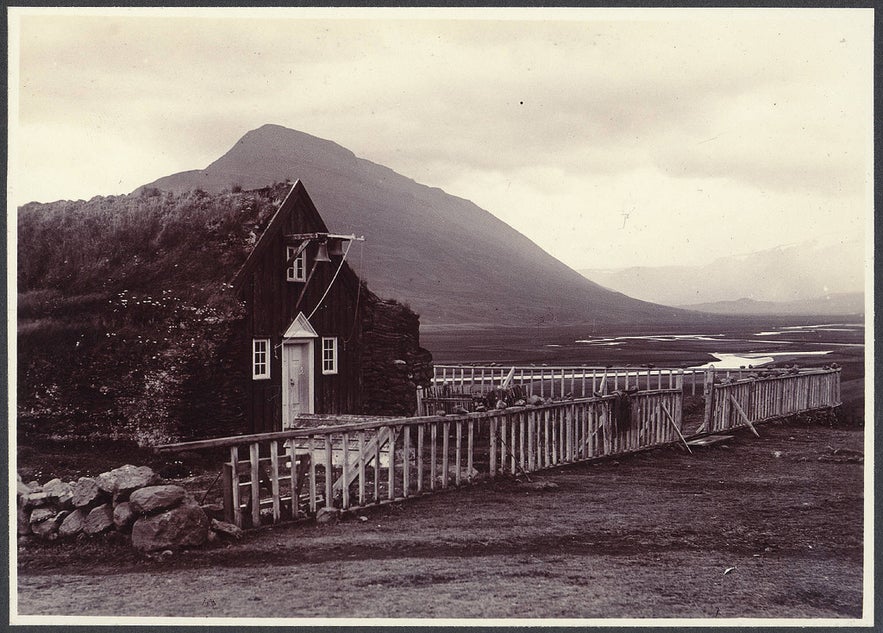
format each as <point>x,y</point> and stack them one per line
<point>286,475</point>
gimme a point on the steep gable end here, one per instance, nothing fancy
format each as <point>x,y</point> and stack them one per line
<point>297,199</point>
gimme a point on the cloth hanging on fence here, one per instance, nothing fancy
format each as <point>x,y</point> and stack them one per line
<point>622,412</point>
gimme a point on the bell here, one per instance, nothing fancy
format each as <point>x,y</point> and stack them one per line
<point>335,247</point>
<point>322,253</point>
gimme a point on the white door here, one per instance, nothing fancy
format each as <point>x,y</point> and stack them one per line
<point>297,380</point>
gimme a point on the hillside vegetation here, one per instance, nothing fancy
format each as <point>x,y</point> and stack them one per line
<point>124,312</point>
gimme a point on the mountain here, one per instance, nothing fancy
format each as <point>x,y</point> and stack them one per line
<point>846,303</point>
<point>791,273</point>
<point>452,261</point>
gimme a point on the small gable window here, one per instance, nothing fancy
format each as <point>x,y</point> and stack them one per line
<point>329,355</point>
<point>297,267</point>
<point>260,355</point>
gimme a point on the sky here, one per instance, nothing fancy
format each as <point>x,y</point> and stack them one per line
<point>610,137</point>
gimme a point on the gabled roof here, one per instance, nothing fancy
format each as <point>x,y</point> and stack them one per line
<point>296,194</point>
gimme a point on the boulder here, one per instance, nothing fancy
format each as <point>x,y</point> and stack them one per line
<point>37,499</point>
<point>86,492</point>
<point>105,482</point>
<point>328,515</point>
<point>120,482</point>
<point>99,519</point>
<point>72,523</point>
<point>226,529</point>
<point>156,498</point>
<point>43,523</point>
<point>183,526</point>
<point>46,529</point>
<point>124,515</point>
<point>40,515</point>
<point>59,492</point>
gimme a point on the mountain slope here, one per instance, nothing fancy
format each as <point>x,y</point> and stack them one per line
<point>796,272</point>
<point>847,303</point>
<point>450,260</point>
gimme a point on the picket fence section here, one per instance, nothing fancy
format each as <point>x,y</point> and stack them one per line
<point>741,403</point>
<point>558,381</point>
<point>287,475</point>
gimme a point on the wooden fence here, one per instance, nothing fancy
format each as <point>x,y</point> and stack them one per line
<point>741,403</point>
<point>286,475</point>
<point>552,382</point>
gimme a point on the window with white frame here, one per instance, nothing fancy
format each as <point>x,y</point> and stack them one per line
<point>329,355</point>
<point>297,267</point>
<point>260,358</point>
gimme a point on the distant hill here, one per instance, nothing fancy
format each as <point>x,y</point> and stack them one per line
<point>452,261</point>
<point>796,272</point>
<point>851,303</point>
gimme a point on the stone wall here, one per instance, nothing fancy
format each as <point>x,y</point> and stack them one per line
<point>393,363</point>
<point>129,500</point>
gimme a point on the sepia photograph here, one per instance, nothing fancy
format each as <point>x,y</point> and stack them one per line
<point>440,316</point>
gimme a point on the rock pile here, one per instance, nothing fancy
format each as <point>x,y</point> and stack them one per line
<point>131,500</point>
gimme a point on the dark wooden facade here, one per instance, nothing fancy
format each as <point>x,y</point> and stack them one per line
<point>273,303</point>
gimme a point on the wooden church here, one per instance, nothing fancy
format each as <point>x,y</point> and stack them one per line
<point>303,318</point>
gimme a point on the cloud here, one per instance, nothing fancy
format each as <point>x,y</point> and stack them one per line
<point>581,113</point>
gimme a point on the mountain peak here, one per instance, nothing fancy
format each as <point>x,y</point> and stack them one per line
<point>274,134</point>
<point>278,143</point>
<point>451,260</point>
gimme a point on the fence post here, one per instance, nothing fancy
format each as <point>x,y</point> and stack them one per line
<point>492,465</point>
<point>227,487</point>
<point>708,391</point>
<point>420,410</point>
<point>234,488</point>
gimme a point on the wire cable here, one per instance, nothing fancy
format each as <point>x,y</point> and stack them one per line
<point>358,294</point>
<point>331,283</point>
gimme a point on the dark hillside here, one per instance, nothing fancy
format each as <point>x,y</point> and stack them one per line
<point>451,260</point>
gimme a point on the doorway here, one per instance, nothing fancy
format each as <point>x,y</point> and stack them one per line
<point>297,380</point>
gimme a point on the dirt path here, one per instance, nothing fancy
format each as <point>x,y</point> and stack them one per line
<point>652,535</point>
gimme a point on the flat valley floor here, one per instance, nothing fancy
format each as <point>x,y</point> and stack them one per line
<point>767,527</point>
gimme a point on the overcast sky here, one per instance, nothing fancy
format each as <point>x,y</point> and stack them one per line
<point>609,137</point>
